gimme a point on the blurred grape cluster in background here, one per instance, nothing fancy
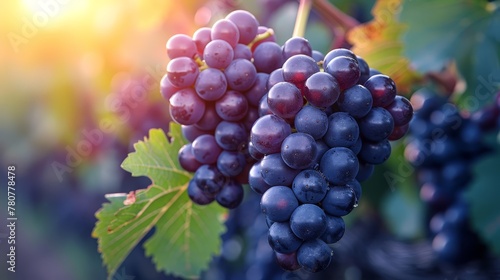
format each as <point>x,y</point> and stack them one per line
<point>79,85</point>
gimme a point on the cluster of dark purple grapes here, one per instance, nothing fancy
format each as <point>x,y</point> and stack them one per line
<point>443,145</point>
<point>303,129</point>
<point>214,82</point>
<point>324,123</point>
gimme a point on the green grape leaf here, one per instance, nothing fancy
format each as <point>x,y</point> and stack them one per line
<point>464,32</point>
<point>186,235</point>
<point>378,42</point>
<point>482,196</point>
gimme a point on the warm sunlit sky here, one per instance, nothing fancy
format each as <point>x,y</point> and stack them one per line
<point>61,59</point>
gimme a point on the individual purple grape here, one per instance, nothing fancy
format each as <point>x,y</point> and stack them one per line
<point>436,196</point>
<point>314,255</point>
<point>284,100</point>
<point>210,119</point>
<point>382,88</point>
<point>343,130</point>
<point>187,159</point>
<point>400,110</point>
<point>339,165</point>
<point>267,57</point>
<point>275,171</point>
<point>312,121</point>
<point>205,149</point>
<point>317,56</point>
<point>231,163</point>
<point>246,23</point>
<point>186,107</point>
<point>336,53</point>
<point>275,77</point>
<point>231,195</point>
<point>425,101</point>
<point>356,100</point>
<point>278,203</point>
<point>365,171</point>
<point>240,74</point>
<point>288,261</point>
<point>377,125</point>
<point>355,185</point>
<point>398,132</point>
<point>416,153</point>
<point>181,45</point>
<point>201,38</point>
<point>233,106</point>
<point>364,69</point>
<point>218,54</point>
<point>309,186</point>
<point>255,179</point>
<point>298,150</point>
<point>197,195</point>
<point>437,223</point>
<point>268,132</point>
<point>335,228</point>
<point>374,72</point>
<point>345,70</point>
<point>182,72</point>
<point>321,90</point>
<point>298,68</point>
<point>226,30</point>
<point>211,84</point>
<point>308,221</point>
<point>457,247</point>
<point>191,132</point>
<point>375,152</point>
<point>447,118</point>
<point>209,179</point>
<point>258,89</point>
<point>167,89</point>
<point>282,239</point>
<point>339,201</point>
<point>243,52</point>
<point>231,136</point>
<point>295,46</point>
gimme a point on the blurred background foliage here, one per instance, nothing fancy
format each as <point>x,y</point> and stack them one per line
<point>79,85</point>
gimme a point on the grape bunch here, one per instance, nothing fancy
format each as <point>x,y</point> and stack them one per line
<point>443,144</point>
<point>213,84</point>
<point>324,124</point>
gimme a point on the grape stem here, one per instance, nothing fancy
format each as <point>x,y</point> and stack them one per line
<point>202,65</point>
<point>269,32</point>
<point>334,16</point>
<point>301,20</point>
<point>339,22</point>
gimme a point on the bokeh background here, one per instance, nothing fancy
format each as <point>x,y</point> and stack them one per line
<point>79,84</point>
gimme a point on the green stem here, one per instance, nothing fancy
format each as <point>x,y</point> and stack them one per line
<point>301,20</point>
<point>269,32</point>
